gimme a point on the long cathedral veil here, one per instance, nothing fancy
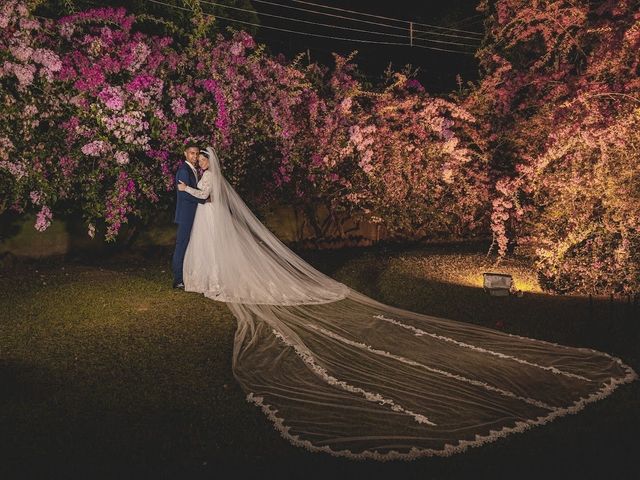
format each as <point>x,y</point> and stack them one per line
<point>338,372</point>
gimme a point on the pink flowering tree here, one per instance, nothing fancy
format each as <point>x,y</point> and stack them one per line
<point>419,170</point>
<point>120,134</point>
<point>395,156</point>
<point>559,108</point>
<point>120,105</point>
<point>103,142</point>
<point>114,106</point>
<point>29,96</point>
<point>243,102</point>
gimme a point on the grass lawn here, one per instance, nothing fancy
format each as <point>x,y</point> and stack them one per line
<point>106,371</point>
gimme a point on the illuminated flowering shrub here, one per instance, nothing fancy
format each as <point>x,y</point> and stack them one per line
<point>28,106</point>
<point>394,156</point>
<point>98,114</point>
<point>559,110</point>
<point>92,115</point>
<point>99,127</point>
<point>542,152</point>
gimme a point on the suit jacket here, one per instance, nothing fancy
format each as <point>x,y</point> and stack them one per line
<point>186,204</point>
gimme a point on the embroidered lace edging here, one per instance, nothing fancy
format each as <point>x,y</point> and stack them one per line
<point>449,449</point>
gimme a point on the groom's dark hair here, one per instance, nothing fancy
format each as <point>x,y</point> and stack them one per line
<point>188,145</point>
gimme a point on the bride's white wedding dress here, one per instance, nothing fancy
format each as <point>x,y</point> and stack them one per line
<point>339,372</point>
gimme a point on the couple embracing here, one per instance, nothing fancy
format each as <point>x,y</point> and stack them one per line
<point>224,252</point>
<point>192,206</point>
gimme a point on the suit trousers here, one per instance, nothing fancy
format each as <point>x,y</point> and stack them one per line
<point>182,241</point>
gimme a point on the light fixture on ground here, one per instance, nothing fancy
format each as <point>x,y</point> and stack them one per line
<point>498,284</point>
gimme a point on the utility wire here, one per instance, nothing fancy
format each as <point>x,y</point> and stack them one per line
<point>280,29</point>
<point>267,2</point>
<point>384,18</point>
<point>466,20</point>
<point>331,25</point>
<point>300,20</point>
<point>376,16</point>
<point>317,35</point>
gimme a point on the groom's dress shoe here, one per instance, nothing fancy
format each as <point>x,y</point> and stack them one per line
<point>179,285</point>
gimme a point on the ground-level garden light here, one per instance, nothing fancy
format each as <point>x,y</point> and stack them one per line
<point>499,284</point>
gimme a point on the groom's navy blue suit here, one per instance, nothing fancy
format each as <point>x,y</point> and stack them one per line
<point>186,205</point>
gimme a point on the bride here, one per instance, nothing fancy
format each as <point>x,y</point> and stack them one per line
<point>338,372</point>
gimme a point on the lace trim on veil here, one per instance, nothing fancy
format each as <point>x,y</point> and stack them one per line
<point>460,446</point>
<point>449,449</point>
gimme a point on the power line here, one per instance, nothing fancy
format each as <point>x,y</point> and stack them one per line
<point>291,7</point>
<point>442,49</point>
<point>312,48</point>
<point>383,17</point>
<point>301,21</point>
<point>280,29</point>
<point>318,35</point>
<point>266,2</point>
<point>466,19</point>
<point>445,34</point>
<point>419,37</point>
<point>331,25</point>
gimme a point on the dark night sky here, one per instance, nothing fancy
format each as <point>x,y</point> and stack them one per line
<point>437,69</point>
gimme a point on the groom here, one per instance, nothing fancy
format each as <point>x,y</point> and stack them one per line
<point>185,210</point>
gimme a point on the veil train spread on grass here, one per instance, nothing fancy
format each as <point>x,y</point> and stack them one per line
<point>338,372</point>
